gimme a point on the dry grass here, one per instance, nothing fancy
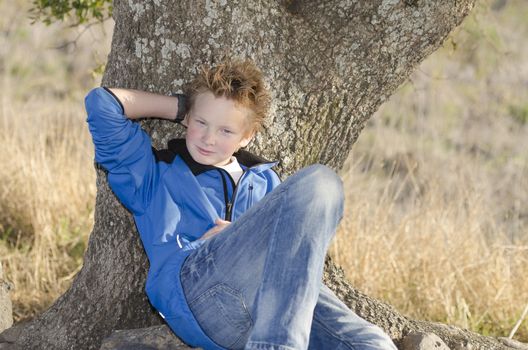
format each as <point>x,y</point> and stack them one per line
<point>438,259</point>
<point>48,185</point>
<point>437,185</point>
<point>45,200</point>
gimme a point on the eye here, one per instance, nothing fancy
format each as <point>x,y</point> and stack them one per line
<point>227,131</point>
<point>199,121</point>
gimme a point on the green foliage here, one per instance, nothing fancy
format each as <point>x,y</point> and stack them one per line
<point>519,113</point>
<point>7,235</point>
<point>98,71</point>
<point>76,11</point>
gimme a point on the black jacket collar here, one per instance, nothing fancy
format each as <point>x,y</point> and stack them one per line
<point>178,147</point>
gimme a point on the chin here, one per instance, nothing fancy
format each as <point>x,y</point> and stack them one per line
<point>202,160</point>
<point>198,158</point>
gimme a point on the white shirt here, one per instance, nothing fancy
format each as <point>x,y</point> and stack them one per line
<point>233,168</point>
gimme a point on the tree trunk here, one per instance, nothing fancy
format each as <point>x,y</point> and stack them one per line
<point>330,64</point>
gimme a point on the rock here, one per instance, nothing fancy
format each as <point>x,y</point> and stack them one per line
<point>10,335</point>
<point>513,343</point>
<point>6,309</point>
<point>423,341</point>
<point>463,346</point>
<point>152,338</point>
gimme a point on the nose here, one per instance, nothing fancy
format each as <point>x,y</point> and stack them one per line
<point>208,137</point>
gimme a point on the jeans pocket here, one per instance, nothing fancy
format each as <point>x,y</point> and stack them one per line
<point>223,315</point>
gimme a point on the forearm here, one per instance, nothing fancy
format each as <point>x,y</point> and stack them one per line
<point>141,104</point>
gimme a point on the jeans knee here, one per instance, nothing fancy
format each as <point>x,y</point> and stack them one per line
<point>323,185</point>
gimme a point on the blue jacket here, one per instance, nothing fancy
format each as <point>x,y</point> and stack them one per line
<point>174,201</point>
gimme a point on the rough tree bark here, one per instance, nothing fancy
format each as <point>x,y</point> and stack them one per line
<point>330,64</point>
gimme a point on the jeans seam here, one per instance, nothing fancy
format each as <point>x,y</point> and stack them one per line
<point>238,295</point>
<point>209,293</point>
<point>226,289</point>
<point>272,242</point>
<point>331,334</point>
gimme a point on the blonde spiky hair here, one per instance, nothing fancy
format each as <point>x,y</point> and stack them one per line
<point>238,80</point>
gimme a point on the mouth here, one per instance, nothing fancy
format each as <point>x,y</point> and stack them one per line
<point>203,151</point>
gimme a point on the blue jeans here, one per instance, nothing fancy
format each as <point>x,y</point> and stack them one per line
<point>258,283</point>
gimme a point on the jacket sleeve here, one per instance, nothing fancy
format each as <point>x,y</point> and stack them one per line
<point>123,149</point>
<point>273,180</point>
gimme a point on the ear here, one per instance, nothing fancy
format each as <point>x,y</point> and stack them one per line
<point>246,140</point>
<point>185,121</point>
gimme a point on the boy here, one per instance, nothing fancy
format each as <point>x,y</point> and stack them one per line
<point>236,259</point>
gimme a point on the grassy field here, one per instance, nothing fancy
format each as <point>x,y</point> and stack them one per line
<point>47,191</point>
<point>437,184</point>
<point>437,187</point>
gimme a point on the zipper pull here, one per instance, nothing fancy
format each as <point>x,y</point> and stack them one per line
<point>228,211</point>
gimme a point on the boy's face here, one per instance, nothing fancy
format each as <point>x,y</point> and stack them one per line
<point>216,128</point>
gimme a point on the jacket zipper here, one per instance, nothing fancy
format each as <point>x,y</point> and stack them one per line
<point>230,203</point>
<point>229,210</point>
<point>250,194</point>
<point>227,202</point>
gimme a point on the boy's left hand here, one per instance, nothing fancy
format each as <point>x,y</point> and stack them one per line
<point>219,226</point>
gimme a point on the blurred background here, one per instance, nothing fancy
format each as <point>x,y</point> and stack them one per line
<point>436,217</point>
